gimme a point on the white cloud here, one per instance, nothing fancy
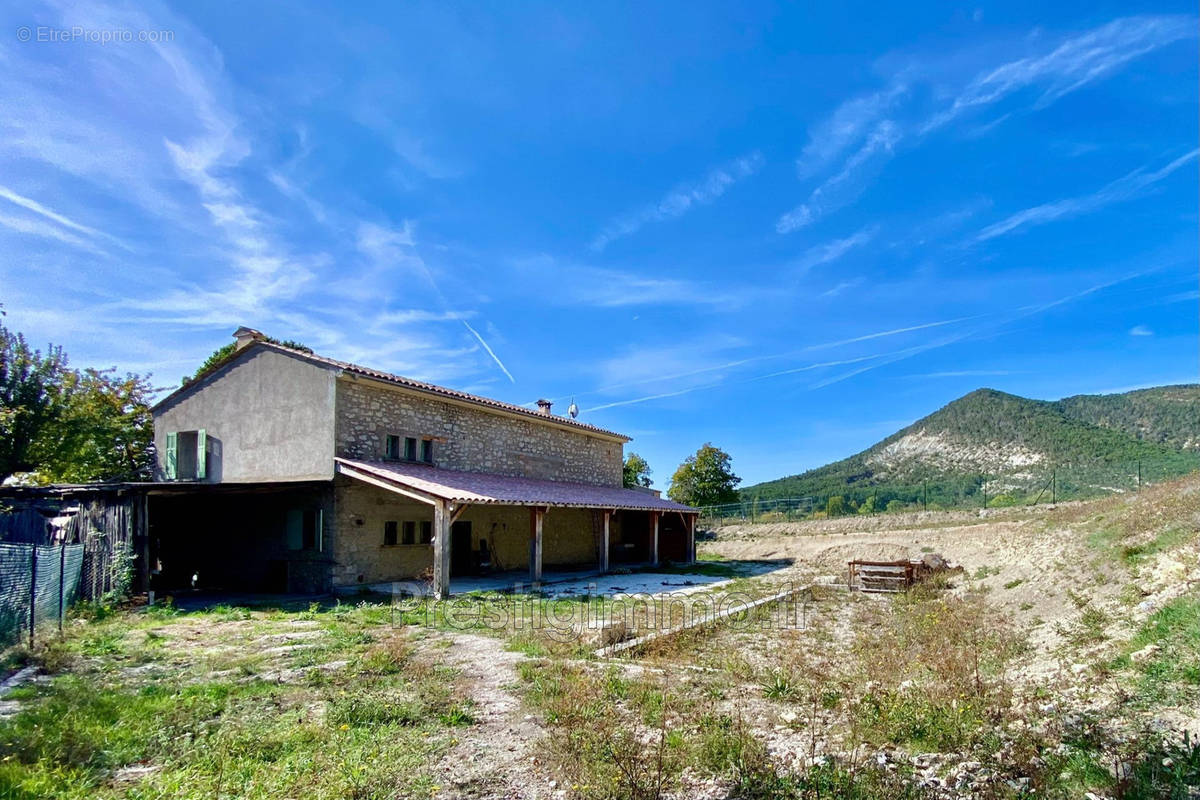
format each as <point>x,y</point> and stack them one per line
<point>1140,330</point>
<point>845,126</point>
<point>849,182</point>
<point>876,123</point>
<point>832,251</point>
<point>681,199</point>
<point>1123,188</point>
<point>1073,64</point>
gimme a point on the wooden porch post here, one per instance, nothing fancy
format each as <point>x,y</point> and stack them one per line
<point>536,513</point>
<point>441,550</point>
<point>654,538</point>
<point>604,543</point>
<point>691,540</point>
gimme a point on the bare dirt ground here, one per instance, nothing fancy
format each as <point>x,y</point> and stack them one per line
<point>1045,567</point>
<point>494,757</point>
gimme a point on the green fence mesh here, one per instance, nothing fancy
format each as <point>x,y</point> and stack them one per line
<point>43,577</point>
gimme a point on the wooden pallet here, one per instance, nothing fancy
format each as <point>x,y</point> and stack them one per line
<point>888,577</point>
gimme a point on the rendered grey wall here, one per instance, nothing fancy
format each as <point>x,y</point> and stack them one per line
<point>471,439</point>
<point>269,417</point>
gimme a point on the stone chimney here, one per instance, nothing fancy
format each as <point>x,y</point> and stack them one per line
<point>245,336</point>
<point>544,407</point>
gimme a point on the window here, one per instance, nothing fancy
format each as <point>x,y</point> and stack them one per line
<point>410,532</point>
<point>391,447</point>
<point>410,448</point>
<point>186,457</point>
<point>427,450</point>
<point>390,531</point>
<point>426,532</point>
<point>305,529</point>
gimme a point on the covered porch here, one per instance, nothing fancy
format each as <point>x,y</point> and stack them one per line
<point>474,524</point>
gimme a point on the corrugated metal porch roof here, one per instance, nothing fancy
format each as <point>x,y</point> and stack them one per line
<point>484,488</point>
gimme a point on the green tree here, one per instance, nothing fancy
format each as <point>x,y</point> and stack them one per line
<point>105,431</point>
<point>222,353</point>
<point>637,471</point>
<point>835,506</point>
<point>705,479</point>
<point>61,424</point>
<point>30,398</point>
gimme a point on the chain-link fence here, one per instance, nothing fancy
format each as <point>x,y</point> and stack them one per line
<point>1026,485</point>
<point>37,584</point>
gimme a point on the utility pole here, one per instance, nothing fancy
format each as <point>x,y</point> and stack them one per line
<point>1139,474</point>
<point>925,495</point>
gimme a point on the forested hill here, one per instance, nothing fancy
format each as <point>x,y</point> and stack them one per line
<point>990,436</point>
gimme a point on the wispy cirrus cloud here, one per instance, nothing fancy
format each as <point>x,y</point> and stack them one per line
<point>832,251</point>
<point>217,224</point>
<point>848,183</point>
<point>681,199</point>
<point>52,215</point>
<point>872,126</point>
<point>846,126</point>
<point>1140,330</point>
<point>1123,188</point>
<point>1076,62</point>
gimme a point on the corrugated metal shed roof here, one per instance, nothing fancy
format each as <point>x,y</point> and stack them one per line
<point>484,488</point>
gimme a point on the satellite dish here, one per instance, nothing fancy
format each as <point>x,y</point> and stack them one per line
<point>573,409</point>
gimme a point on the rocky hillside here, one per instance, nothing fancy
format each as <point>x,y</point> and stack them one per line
<point>1005,444</point>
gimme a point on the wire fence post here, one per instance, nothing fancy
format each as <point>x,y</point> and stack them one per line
<point>62,585</point>
<point>32,592</point>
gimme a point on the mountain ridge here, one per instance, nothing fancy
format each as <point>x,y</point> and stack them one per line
<point>991,436</point>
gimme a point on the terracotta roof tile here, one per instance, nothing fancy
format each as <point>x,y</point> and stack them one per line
<point>400,380</point>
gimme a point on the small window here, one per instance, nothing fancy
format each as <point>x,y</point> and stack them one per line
<point>410,448</point>
<point>390,533</point>
<point>410,532</point>
<point>426,532</point>
<point>427,451</point>
<point>392,447</point>
<point>304,529</point>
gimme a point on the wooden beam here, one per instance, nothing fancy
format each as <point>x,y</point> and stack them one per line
<point>441,551</point>
<point>690,523</point>
<point>604,542</point>
<point>654,537</point>
<point>536,516</point>
<point>351,472</point>
<point>458,512</point>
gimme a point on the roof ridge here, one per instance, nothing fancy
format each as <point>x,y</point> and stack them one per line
<point>434,388</point>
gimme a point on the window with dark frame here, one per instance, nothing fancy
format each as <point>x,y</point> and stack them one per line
<point>426,532</point>
<point>410,448</point>
<point>391,530</point>
<point>410,533</point>
<point>303,529</point>
<point>392,447</point>
<point>427,450</point>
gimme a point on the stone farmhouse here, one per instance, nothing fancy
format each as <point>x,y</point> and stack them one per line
<point>282,470</point>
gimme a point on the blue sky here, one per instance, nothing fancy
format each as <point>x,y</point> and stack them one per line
<point>786,230</point>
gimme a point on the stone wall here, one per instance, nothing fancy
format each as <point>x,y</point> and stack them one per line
<point>569,535</point>
<point>359,554</point>
<point>469,438</point>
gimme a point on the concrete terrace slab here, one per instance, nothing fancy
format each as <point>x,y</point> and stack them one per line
<point>576,583</point>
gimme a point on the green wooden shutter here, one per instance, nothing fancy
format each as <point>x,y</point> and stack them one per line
<point>201,453</point>
<point>172,455</point>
